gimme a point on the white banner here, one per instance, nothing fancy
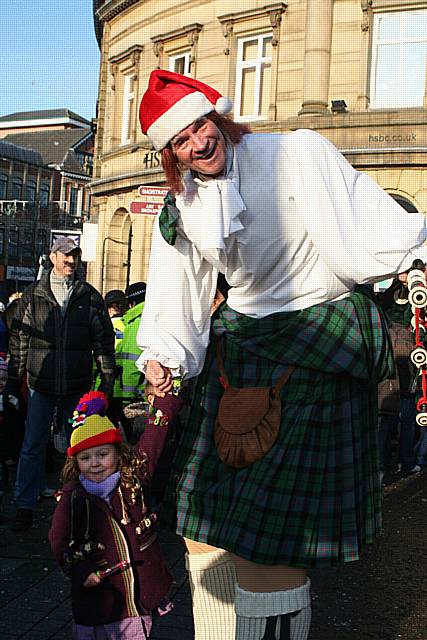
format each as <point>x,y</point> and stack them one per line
<point>88,241</point>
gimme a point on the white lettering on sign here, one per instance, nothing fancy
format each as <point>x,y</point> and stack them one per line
<point>152,208</point>
<point>152,200</point>
<point>153,191</point>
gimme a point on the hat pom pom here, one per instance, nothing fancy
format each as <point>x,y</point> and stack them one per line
<point>94,402</point>
<point>223,106</point>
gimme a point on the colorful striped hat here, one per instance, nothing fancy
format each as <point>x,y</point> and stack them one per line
<point>92,428</point>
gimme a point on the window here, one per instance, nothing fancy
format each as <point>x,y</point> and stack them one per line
<point>410,208</point>
<point>16,189</point>
<point>121,102</point>
<point>177,50</point>
<point>44,195</point>
<point>180,63</point>
<point>31,190</point>
<point>3,186</point>
<point>398,59</point>
<point>40,242</point>
<point>73,201</point>
<point>13,243</point>
<point>27,247</point>
<point>253,77</point>
<point>404,203</point>
<point>85,161</point>
<point>128,101</point>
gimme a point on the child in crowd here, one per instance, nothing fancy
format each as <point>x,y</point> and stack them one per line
<point>12,425</point>
<point>103,531</point>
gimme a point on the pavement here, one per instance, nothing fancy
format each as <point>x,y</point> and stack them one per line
<point>360,601</point>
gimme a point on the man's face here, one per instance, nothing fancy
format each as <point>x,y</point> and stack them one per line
<point>200,147</point>
<point>3,380</point>
<point>64,264</point>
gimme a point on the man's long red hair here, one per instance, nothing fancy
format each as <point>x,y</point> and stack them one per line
<point>234,131</point>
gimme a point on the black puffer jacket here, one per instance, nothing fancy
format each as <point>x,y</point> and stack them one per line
<point>56,349</point>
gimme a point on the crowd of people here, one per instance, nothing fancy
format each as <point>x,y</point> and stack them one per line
<point>397,397</point>
<point>271,330</point>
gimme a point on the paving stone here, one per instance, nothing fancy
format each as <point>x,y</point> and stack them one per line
<point>17,621</point>
<point>35,602</point>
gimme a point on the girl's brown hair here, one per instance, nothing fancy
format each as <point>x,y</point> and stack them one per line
<point>132,469</point>
<point>233,131</point>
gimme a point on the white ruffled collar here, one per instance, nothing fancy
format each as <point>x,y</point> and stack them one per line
<point>211,209</point>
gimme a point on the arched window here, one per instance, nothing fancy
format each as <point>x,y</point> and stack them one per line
<point>408,206</point>
<point>31,190</point>
<point>44,195</point>
<point>16,188</point>
<point>404,203</point>
<point>13,242</point>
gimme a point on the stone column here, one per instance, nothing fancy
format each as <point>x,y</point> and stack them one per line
<point>365,55</point>
<point>317,59</point>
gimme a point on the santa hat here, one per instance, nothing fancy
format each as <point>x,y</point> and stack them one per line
<point>91,427</point>
<point>172,102</point>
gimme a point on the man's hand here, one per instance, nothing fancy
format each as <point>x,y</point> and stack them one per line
<point>160,378</point>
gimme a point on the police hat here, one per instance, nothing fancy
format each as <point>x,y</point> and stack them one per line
<point>115,296</point>
<point>136,292</point>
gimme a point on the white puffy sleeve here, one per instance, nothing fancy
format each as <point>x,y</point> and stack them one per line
<point>361,233</point>
<point>175,323</point>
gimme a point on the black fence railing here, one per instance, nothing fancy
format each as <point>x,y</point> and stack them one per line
<point>25,229</point>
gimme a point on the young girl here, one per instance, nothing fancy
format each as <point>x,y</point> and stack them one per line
<point>103,532</point>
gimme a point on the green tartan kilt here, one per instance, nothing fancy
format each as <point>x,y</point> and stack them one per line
<point>314,499</point>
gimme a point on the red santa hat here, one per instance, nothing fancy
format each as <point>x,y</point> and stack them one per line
<point>172,102</point>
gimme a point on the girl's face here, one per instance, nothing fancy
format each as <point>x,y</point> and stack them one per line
<point>3,380</point>
<point>97,463</point>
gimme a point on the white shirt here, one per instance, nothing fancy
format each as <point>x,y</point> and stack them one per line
<point>293,225</point>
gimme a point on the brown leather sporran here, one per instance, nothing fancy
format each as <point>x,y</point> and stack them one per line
<point>248,420</point>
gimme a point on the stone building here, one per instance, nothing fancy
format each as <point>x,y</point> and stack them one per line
<point>65,142</point>
<point>354,70</point>
<point>45,168</point>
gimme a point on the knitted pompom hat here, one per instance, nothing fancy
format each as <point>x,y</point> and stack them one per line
<point>172,102</point>
<point>91,427</point>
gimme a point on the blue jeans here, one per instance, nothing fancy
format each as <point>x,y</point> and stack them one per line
<point>408,412</point>
<point>421,448</point>
<point>30,475</point>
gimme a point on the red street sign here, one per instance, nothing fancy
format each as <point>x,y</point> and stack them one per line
<point>153,200</point>
<point>152,191</point>
<point>146,207</point>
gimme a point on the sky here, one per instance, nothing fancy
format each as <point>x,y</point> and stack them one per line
<point>49,56</point>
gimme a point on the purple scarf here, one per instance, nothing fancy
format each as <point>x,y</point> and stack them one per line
<point>104,489</point>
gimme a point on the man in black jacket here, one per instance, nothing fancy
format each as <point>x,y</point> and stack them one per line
<point>60,326</point>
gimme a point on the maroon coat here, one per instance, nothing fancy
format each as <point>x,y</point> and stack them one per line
<point>129,592</point>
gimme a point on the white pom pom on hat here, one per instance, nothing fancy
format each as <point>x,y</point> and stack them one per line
<point>223,105</point>
<point>172,102</point>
